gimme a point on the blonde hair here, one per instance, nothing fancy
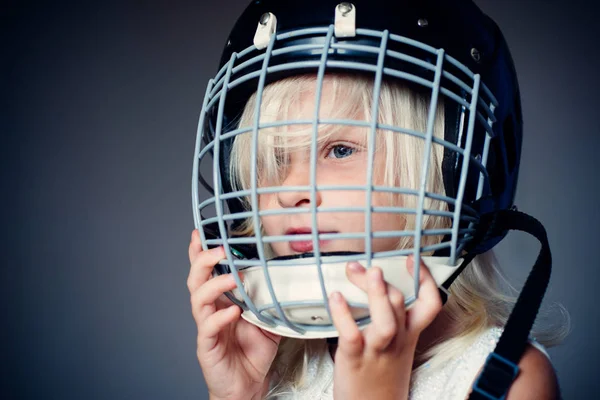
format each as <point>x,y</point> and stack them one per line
<point>480,297</point>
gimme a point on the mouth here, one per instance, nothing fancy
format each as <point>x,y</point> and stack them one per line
<point>305,246</point>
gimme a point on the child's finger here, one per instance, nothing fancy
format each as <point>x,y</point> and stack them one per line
<point>428,303</point>
<point>207,333</point>
<point>384,327</point>
<point>350,339</point>
<point>195,246</point>
<point>357,274</point>
<point>201,268</point>
<point>397,301</point>
<point>208,294</point>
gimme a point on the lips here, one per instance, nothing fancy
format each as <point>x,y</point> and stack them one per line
<point>305,246</point>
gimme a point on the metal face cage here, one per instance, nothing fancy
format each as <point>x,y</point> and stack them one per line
<point>289,295</point>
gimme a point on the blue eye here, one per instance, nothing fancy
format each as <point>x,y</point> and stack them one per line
<point>341,151</point>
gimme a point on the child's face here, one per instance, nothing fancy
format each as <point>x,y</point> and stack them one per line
<point>341,160</point>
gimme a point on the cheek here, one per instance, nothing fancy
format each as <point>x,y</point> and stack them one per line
<point>267,202</point>
<point>345,199</point>
<point>388,221</point>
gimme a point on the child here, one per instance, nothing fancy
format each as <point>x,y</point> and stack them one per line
<point>413,345</point>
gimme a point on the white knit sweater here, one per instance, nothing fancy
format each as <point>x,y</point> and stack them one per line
<point>451,382</point>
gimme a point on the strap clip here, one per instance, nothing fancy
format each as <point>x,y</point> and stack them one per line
<point>495,379</point>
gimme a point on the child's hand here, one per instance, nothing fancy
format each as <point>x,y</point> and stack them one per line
<point>235,356</point>
<point>376,363</point>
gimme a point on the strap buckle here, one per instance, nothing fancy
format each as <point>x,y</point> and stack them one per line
<point>495,379</point>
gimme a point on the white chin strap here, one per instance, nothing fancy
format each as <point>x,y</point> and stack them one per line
<point>298,291</point>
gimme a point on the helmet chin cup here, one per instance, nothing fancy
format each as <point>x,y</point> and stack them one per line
<point>296,285</point>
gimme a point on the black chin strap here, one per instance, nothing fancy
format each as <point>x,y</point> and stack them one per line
<point>501,367</point>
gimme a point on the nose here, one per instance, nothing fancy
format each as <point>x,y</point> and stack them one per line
<point>298,175</point>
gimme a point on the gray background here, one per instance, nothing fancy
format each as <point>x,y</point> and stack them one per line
<point>98,114</point>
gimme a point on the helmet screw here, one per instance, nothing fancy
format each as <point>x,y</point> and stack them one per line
<point>264,19</point>
<point>478,157</point>
<point>422,22</point>
<point>475,54</point>
<point>345,8</point>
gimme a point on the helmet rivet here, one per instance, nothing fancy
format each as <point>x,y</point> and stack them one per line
<point>264,19</point>
<point>475,54</point>
<point>478,158</point>
<point>345,8</point>
<point>422,22</point>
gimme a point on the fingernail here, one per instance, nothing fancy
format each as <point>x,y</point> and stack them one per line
<point>217,250</point>
<point>355,266</point>
<point>231,308</point>
<point>375,276</point>
<point>336,297</point>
